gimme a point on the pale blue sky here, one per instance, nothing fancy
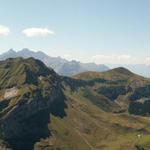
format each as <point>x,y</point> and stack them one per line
<point>83,28</point>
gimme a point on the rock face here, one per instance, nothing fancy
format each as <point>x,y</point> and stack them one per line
<point>11,93</point>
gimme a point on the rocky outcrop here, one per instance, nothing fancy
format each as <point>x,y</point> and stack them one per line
<point>11,93</point>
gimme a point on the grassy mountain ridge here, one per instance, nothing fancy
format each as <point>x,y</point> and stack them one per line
<point>128,90</point>
<point>51,112</point>
<point>113,75</point>
<point>21,71</point>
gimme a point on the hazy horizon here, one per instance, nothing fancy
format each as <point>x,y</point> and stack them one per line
<point>111,65</point>
<point>104,32</point>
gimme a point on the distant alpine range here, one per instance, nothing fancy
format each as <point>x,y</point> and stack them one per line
<point>60,65</point>
<point>69,68</point>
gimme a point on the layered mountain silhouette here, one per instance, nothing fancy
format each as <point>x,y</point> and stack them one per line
<point>60,65</point>
<point>41,110</point>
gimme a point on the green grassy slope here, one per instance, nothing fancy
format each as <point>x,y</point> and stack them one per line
<point>130,91</point>
<point>91,123</point>
<point>91,111</point>
<point>88,127</point>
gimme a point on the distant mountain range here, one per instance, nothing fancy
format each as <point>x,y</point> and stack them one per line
<point>69,68</point>
<point>60,65</point>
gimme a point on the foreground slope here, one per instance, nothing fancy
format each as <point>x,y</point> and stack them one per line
<point>29,92</point>
<point>41,110</point>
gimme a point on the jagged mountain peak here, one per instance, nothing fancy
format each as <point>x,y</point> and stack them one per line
<point>11,51</point>
<point>26,50</point>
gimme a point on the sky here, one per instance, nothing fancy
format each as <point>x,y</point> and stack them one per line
<point>100,31</point>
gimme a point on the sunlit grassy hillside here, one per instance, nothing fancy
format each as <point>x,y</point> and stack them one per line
<point>40,110</point>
